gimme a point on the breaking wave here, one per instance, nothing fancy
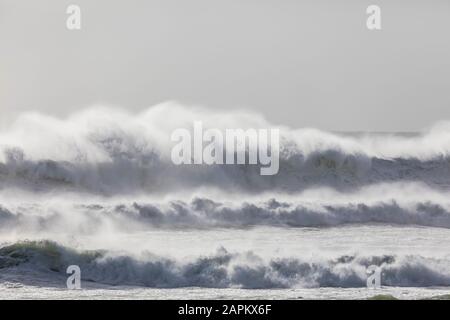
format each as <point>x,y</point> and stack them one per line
<point>108,151</point>
<point>104,173</point>
<point>88,218</point>
<point>222,269</point>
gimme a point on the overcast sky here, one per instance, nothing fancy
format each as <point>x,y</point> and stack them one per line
<point>300,63</point>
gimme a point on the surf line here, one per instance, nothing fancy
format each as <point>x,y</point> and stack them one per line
<point>235,146</point>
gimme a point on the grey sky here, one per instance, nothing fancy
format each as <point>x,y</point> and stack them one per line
<point>300,63</point>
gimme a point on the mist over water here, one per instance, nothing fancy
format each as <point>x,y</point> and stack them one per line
<point>99,189</point>
<point>107,151</point>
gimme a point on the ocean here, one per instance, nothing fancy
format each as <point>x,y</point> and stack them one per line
<point>98,190</point>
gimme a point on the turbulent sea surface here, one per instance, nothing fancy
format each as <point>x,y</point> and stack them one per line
<point>98,190</point>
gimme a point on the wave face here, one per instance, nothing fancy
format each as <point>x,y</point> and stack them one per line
<point>224,269</point>
<point>88,218</point>
<point>109,152</point>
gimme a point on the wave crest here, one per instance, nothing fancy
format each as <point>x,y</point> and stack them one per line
<point>108,151</point>
<point>223,269</point>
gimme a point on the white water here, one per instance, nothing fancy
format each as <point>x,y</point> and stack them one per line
<point>100,186</point>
